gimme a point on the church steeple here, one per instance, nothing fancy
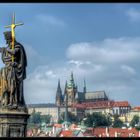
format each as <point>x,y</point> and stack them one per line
<point>66,103</point>
<point>59,98</point>
<point>72,79</point>
<point>71,90</point>
<point>65,93</point>
<point>66,117</point>
<point>84,89</point>
<point>71,83</point>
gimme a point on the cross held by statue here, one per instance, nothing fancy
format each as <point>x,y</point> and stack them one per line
<point>12,26</point>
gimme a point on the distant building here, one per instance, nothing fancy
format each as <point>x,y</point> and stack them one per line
<point>121,108</point>
<point>134,111</point>
<point>81,103</point>
<point>75,96</point>
<point>45,109</point>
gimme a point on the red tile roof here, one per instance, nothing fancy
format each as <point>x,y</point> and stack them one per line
<point>102,104</point>
<point>96,104</point>
<point>123,132</point>
<point>58,125</point>
<point>73,126</point>
<point>136,108</point>
<point>66,133</point>
<point>29,133</point>
<point>88,132</point>
<point>99,131</point>
<point>121,104</point>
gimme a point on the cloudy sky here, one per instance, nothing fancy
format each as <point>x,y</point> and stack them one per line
<point>98,42</point>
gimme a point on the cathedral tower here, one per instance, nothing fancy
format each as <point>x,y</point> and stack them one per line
<point>71,91</point>
<point>84,89</point>
<point>59,98</point>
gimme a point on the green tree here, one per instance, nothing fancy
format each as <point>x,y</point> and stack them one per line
<point>46,118</point>
<point>97,119</point>
<point>35,118</point>
<point>134,121</point>
<point>60,121</point>
<point>71,117</point>
<point>117,122</point>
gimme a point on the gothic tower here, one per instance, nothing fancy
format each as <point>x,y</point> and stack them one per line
<point>84,89</point>
<point>71,91</point>
<point>59,98</point>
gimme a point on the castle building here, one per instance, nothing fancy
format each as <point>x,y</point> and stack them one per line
<point>75,96</point>
<point>72,96</point>
<point>80,103</point>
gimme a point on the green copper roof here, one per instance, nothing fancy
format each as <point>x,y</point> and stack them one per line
<point>71,82</point>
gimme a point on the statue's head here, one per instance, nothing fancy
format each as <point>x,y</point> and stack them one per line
<point>8,36</point>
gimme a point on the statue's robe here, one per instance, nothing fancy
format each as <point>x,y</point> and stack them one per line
<point>20,70</point>
<point>14,75</point>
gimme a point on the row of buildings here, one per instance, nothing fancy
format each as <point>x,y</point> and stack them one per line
<point>58,130</point>
<point>81,103</point>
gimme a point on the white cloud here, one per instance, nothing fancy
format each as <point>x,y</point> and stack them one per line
<point>79,63</point>
<point>107,51</point>
<point>133,14</point>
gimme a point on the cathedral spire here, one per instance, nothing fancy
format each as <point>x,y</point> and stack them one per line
<point>59,98</point>
<point>71,83</point>
<point>58,84</point>
<point>84,89</point>
<point>71,76</point>
<point>66,103</point>
<point>65,93</point>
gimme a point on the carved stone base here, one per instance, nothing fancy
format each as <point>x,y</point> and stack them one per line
<point>13,123</point>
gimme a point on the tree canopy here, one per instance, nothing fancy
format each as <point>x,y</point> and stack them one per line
<point>134,121</point>
<point>71,118</point>
<point>117,122</point>
<point>97,119</point>
<point>37,118</point>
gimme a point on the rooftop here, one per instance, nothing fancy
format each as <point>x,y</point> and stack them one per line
<point>113,132</point>
<point>102,104</point>
<point>41,105</point>
<point>136,108</point>
<point>121,104</point>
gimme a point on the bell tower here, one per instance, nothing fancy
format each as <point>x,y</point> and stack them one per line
<point>59,98</point>
<point>71,90</point>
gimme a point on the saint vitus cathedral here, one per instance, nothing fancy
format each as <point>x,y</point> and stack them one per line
<point>71,94</point>
<point>79,103</point>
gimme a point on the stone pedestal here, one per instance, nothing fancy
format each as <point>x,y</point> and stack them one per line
<point>13,123</point>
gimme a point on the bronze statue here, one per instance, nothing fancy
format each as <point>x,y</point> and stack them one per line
<point>14,72</point>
